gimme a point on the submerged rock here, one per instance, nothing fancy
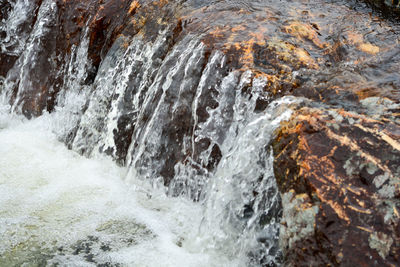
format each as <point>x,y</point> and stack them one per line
<point>161,85</point>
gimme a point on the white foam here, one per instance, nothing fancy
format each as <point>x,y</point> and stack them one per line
<point>53,200</point>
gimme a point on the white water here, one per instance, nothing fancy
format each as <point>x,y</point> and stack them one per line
<point>53,198</point>
<point>57,207</point>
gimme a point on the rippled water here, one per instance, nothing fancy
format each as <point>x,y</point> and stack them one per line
<point>59,207</point>
<point>184,124</point>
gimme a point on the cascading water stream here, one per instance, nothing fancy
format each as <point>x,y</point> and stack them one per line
<point>76,211</point>
<point>90,215</point>
<point>149,139</point>
<point>72,198</point>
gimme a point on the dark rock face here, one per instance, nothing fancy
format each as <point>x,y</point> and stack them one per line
<point>54,28</point>
<point>274,45</point>
<point>342,169</point>
<point>388,7</point>
<point>183,67</point>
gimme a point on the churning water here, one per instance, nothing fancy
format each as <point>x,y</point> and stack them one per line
<point>58,207</point>
<point>197,185</point>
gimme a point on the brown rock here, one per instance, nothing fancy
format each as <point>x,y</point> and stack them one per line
<point>337,161</point>
<point>388,7</point>
<point>344,167</point>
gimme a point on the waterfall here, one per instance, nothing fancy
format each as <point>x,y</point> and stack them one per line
<point>177,120</point>
<point>133,145</point>
<point>145,109</point>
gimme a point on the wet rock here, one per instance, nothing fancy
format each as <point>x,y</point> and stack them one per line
<point>109,237</point>
<point>25,252</point>
<point>7,61</point>
<point>177,73</point>
<point>341,171</point>
<point>388,7</point>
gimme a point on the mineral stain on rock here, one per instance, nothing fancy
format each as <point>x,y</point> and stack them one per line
<point>336,160</point>
<point>347,170</point>
<point>381,242</point>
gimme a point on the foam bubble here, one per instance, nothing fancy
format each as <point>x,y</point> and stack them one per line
<point>59,207</point>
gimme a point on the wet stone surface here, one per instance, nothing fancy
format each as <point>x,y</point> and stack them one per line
<point>108,237</point>
<point>345,168</point>
<point>161,84</point>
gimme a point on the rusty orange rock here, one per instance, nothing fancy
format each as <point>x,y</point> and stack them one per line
<point>347,166</point>
<point>336,160</point>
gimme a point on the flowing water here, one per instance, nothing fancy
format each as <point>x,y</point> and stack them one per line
<point>57,206</point>
<point>164,159</point>
<point>61,208</point>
